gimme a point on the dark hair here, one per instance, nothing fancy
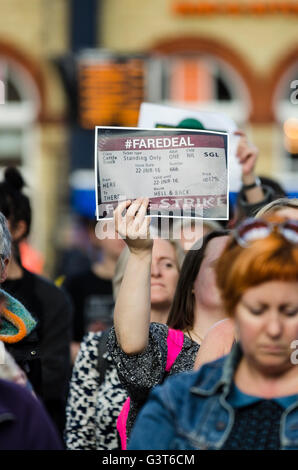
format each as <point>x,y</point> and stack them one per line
<point>278,190</point>
<point>13,203</point>
<point>181,315</point>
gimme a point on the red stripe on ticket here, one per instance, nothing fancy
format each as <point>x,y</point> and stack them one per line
<point>161,142</point>
<point>172,203</point>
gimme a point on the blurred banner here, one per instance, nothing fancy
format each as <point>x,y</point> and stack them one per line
<point>154,115</point>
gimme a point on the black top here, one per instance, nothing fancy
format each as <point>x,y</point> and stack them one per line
<point>139,373</point>
<point>93,303</point>
<point>256,427</point>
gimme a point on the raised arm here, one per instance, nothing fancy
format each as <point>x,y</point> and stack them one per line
<point>133,305</point>
<point>247,155</point>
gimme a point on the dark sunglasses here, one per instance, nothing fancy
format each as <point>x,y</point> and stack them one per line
<point>256,229</point>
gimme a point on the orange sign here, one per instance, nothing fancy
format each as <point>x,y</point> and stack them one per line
<point>100,93</point>
<point>110,93</point>
<point>208,7</point>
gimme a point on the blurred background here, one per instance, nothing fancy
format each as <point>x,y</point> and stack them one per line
<point>69,65</point>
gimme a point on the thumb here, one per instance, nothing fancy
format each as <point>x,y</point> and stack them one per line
<point>240,133</point>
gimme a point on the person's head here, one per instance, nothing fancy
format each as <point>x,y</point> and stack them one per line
<point>167,259</point>
<point>111,247</point>
<point>271,187</point>
<point>196,281</point>
<point>257,275</point>
<point>276,188</point>
<point>104,237</point>
<point>283,207</point>
<point>165,268</point>
<point>15,205</point>
<point>189,231</point>
<point>5,247</point>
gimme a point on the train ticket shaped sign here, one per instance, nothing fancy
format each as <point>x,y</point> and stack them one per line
<point>183,172</point>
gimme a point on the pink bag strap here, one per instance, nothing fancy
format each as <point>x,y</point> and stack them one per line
<point>175,340</point>
<point>175,343</point>
<point>121,423</point>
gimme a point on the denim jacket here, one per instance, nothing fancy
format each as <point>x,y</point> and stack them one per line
<point>190,411</point>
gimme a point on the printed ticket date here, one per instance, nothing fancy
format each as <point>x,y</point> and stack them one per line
<point>184,173</point>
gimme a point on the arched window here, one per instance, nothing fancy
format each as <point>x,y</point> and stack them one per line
<point>198,80</point>
<point>285,101</point>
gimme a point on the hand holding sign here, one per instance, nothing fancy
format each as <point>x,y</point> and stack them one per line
<point>133,226</point>
<point>247,154</point>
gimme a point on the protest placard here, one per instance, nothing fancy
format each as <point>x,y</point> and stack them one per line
<point>182,172</point>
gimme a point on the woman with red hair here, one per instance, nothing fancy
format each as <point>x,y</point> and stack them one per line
<point>248,399</point>
<point>221,336</point>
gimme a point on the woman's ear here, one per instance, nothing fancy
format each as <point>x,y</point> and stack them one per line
<point>18,230</point>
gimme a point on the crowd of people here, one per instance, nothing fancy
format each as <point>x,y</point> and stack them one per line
<point>157,343</point>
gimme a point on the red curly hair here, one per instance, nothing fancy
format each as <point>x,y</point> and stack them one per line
<point>269,259</point>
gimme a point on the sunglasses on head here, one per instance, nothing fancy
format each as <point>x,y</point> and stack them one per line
<point>256,229</point>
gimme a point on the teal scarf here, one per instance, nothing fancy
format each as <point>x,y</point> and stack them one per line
<point>16,321</point>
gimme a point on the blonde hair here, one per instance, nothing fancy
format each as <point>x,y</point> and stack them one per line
<point>277,205</point>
